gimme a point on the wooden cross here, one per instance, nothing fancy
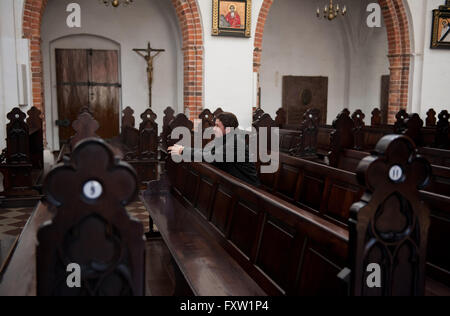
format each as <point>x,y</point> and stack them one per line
<point>149,56</point>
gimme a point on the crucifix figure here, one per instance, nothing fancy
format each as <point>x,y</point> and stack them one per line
<point>148,55</point>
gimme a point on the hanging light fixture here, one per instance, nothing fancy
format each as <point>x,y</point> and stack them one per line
<point>331,11</point>
<point>116,3</point>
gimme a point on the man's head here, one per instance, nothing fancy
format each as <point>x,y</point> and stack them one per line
<point>232,8</point>
<point>225,122</point>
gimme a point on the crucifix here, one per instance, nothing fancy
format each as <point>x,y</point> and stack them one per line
<point>149,56</point>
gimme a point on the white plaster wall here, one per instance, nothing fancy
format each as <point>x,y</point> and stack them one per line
<point>131,27</point>
<point>351,55</point>
<point>12,54</point>
<point>432,66</point>
<point>228,76</point>
<point>229,79</point>
<point>368,59</point>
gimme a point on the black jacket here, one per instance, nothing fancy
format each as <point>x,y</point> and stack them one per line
<point>244,170</point>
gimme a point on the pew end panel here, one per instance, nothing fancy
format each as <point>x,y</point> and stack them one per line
<point>389,226</point>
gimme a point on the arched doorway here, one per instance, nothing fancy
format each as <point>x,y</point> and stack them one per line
<point>189,20</point>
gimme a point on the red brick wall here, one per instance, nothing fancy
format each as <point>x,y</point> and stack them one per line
<point>190,25</point>
<point>396,21</point>
<point>32,17</point>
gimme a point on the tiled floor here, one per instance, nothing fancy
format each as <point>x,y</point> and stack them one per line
<point>12,221</point>
<point>137,210</point>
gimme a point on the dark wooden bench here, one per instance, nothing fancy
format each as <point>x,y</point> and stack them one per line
<point>244,235</point>
<point>83,221</point>
<point>85,127</point>
<point>21,163</point>
<point>206,266</point>
<point>285,249</point>
<point>329,192</point>
<point>350,132</point>
<point>140,146</point>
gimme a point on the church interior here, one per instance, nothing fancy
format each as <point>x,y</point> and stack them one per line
<point>346,98</point>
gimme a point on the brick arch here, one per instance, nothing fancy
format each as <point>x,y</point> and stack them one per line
<point>396,21</point>
<point>189,20</point>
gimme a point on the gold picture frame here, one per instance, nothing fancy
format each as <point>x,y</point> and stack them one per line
<point>232,18</point>
<point>440,37</point>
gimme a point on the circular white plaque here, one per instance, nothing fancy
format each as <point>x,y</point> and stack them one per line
<point>92,190</point>
<point>396,173</point>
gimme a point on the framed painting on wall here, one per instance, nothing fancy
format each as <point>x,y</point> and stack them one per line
<point>232,18</point>
<point>440,37</point>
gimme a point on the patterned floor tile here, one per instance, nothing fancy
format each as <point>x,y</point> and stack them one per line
<point>12,221</point>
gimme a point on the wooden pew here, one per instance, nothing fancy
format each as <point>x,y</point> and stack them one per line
<point>180,120</point>
<point>329,192</point>
<point>322,190</point>
<point>211,215</point>
<point>83,221</point>
<point>390,224</point>
<point>35,129</point>
<point>22,160</point>
<point>432,139</point>
<point>85,126</point>
<point>141,146</point>
<point>285,249</point>
<point>129,135</point>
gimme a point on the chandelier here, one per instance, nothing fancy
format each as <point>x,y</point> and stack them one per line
<point>331,11</point>
<point>116,3</point>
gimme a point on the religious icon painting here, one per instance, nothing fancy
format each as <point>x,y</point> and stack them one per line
<point>440,37</point>
<point>232,18</point>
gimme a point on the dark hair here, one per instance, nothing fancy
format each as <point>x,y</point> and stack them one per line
<point>228,120</point>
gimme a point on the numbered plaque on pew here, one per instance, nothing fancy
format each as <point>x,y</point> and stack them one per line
<point>92,247</point>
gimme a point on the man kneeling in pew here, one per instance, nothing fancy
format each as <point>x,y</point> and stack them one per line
<point>228,152</point>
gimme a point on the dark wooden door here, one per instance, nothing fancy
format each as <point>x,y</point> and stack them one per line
<point>88,78</point>
<point>303,93</point>
<point>384,102</point>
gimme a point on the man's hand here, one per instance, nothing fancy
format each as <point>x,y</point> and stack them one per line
<point>176,150</point>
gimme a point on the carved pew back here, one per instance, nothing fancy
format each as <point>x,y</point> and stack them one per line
<point>258,114</point>
<point>180,120</point>
<point>129,134</point>
<point>16,159</point>
<point>389,227</point>
<point>169,116</point>
<point>148,136</point>
<point>309,132</point>
<point>442,139</point>
<point>341,137</point>
<point>91,227</point>
<point>35,127</point>
<point>266,123</point>
<point>85,126</point>
<point>17,142</point>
